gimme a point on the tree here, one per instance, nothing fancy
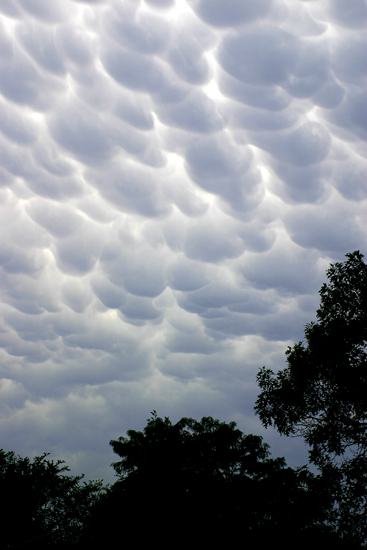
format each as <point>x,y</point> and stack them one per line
<point>206,481</point>
<point>42,505</point>
<point>322,393</point>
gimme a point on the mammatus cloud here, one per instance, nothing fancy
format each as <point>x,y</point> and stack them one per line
<point>176,177</point>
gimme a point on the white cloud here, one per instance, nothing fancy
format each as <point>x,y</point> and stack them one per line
<point>176,177</point>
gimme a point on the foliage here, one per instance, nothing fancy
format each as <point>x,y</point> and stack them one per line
<point>43,505</point>
<point>206,480</point>
<point>322,393</point>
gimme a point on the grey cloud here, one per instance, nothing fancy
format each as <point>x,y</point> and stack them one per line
<point>302,184</point>
<point>180,192</point>
<point>18,260</point>
<point>152,156</point>
<point>332,231</point>
<point>135,110</point>
<point>160,3</point>
<point>31,294</point>
<point>8,7</point>
<point>92,86</point>
<point>282,326</point>
<point>131,188</point>
<point>141,274</point>
<point>351,115</point>
<point>134,70</point>
<point>146,33</point>
<point>81,133</point>
<point>128,138</point>
<point>222,167</point>
<point>47,155</point>
<point>6,43</point>
<point>97,338</point>
<point>257,236</point>
<point>56,188</point>
<point>187,275</point>
<point>45,11</point>
<point>12,394</point>
<point>78,254</point>
<point>308,144</point>
<point>16,160</point>
<point>14,126</point>
<point>258,120</point>
<point>266,55</point>
<point>22,83</point>
<point>349,59</point>
<point>75,296</point>
<point>155,230</point>
<point>140,308</point>
<point>212,242</point>
<point>255,302</point>
<point>223,13</point>
<point>310,71</point>
<point>88,1</point>
<point>217,295</point>
<point>60,221</point>
<point>261,55</point>
<point>188,61</point>
<point>288,270</point>
<point>272,98</point>
<point>32,352</point>
<point>358,112</point>
<point>24,293</point>
<point>68,323</point>
<point>173,90</point>
<point>350,179</point>
<point>300,18</point>
<point>39,42</point>
<point>349,14</point>
<point>197,113</point>
<point>24,305</point>
<point>96,209</point>
<point>110,295</point>
<point>191,343</point>
<point>75,45</point>
<point>216,158</point>
<point>184,303</point>
<point>172,232</point>
<point>31,328</point>
<point>6,179</point>
<point>21,242</point>
<point>330,95</point>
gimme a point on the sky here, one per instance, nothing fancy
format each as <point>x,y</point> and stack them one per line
<point>176,178</point>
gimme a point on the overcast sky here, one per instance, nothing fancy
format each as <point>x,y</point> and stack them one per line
<point>176,177</point>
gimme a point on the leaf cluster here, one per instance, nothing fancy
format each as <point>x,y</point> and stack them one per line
<point>321,395</point>
<point>212,478</point>
<point>49,505</point>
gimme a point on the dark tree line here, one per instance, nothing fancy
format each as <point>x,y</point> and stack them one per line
<point>322,393</point>
<point>205,482</point>
<point>42,505</point>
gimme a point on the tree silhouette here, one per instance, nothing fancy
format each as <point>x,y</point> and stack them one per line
<point>42,505</point>
<point>205,482</point>
<point>322,393</point>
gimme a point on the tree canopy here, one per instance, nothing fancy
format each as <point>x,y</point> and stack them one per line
<point>43,506</point>
<point>207,481</point>
<point>321,394</point>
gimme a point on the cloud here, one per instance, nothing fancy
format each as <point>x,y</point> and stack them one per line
<point>176,177</point>
<point>230,13</point>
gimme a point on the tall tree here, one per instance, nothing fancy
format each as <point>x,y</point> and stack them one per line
<point>207,482</point>
<point>321,395</point>
<point>43,506</point>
